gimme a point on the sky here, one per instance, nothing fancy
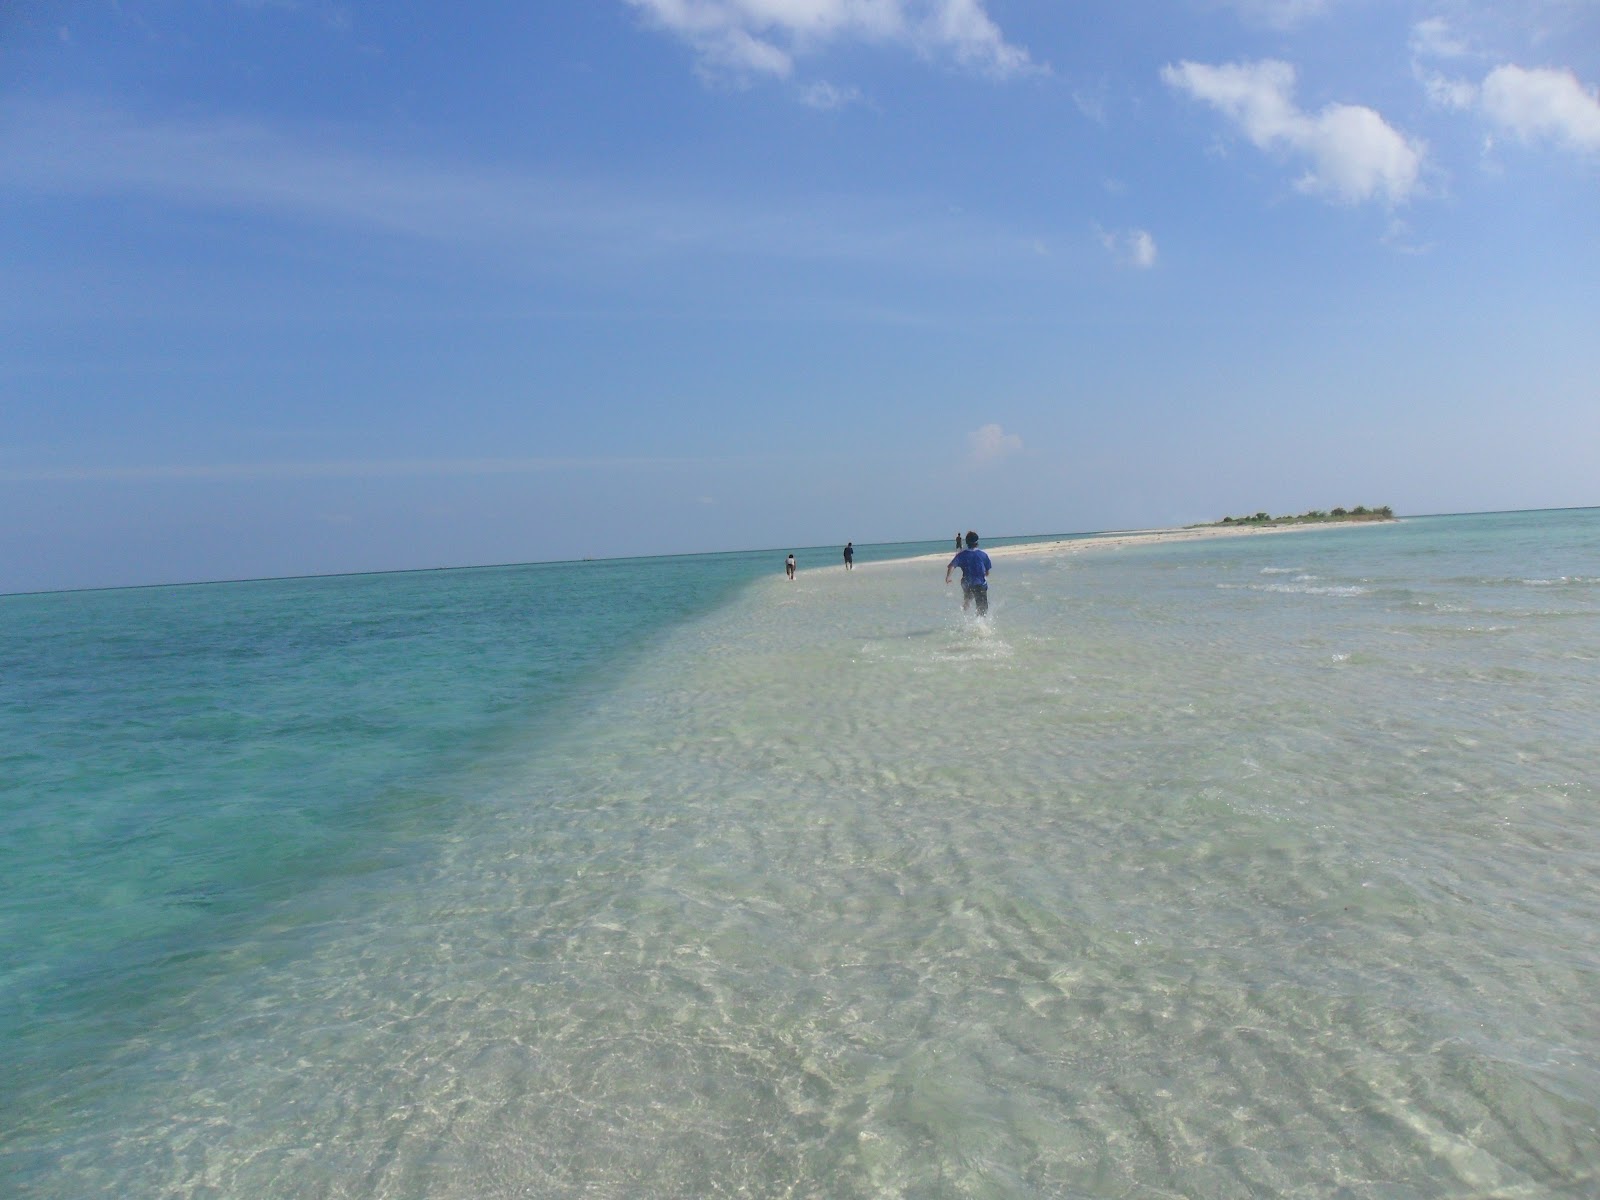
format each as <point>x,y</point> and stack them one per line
<point>299,286</point>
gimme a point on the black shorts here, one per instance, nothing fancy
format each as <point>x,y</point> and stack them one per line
<point>978,592</point>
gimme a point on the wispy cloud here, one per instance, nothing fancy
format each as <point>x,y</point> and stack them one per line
<point>991,443</point>
<point>89,150</point>
<point>1437,38</point>
<point>826,97</point>
<point>262,172</point>
<point>765,38</point>
<point>1354,154</point>
<point>1279,14</point>
<point>1131,247</point>
<point>336,469</point>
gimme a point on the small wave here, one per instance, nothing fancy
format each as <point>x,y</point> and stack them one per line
<point>1280,570</point>
<point>1352,589</point>
<point>1299,589</point>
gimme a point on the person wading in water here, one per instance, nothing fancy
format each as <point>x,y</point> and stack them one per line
<point>975,567</point>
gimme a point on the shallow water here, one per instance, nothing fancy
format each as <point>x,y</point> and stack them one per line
<point>1266,866</point>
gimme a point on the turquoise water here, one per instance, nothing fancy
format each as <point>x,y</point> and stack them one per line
<point>1258,866</point>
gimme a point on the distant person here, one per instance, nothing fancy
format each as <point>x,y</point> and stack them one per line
<point>975,567</point>
<point>958,541</point>
<point>788,566</point>
<point>849,556</point>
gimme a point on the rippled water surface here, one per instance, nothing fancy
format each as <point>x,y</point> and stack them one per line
<point>1265,866</point>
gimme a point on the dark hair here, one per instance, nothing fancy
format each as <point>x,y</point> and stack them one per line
<point>972,539</point>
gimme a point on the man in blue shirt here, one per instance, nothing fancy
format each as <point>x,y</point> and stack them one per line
<point>975,567</point>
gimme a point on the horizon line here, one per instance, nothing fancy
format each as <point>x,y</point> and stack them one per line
<point>556,562</point>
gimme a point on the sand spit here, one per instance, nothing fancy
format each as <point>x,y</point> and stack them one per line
<point>1146,537</point>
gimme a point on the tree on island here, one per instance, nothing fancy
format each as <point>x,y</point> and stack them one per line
<point>1315,515</point>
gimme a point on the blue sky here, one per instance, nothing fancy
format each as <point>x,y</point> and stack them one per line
<point>299,287</point>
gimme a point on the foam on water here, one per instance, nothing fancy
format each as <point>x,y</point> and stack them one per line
<point>1143,886</point>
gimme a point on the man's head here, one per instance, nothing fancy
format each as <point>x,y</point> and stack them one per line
<point>972,539</point>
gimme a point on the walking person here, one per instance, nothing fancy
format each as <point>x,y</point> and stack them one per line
<point>975,567</point>
<point>849,556</point>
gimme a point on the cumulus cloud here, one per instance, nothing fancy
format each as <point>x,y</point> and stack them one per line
<point>1131,247</point>
<point>991,443</point>
<point>1533,104</point>
<point>1354,153</point>
<point>1542,104</point>
<point>765,37</point>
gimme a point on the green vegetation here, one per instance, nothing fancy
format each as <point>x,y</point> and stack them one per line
<point>1314,517</point>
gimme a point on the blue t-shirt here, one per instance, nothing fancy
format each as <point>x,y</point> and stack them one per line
<point>975,567</point>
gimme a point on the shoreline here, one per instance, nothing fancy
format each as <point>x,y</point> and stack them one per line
<point>1138,537</point>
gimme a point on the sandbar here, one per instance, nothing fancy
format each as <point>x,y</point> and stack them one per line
<point>1148,537</point>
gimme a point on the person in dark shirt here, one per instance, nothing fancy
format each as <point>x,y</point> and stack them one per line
<point>788,566</point>
<point>849,556</point>
<point>975,567</point>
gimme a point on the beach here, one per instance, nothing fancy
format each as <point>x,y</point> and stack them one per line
<point>1157,537</point>
<point>1216,864</point>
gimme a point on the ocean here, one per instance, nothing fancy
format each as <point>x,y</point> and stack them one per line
<point>1258,866</point>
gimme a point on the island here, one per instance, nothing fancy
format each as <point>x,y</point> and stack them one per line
<point>1315,516</point>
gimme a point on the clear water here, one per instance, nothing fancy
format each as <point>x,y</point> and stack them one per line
<point>1254,867</point>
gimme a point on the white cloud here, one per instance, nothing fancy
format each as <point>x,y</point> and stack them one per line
<point>1532,103</point>
<point>1354,153</point>
<point>1132,247</point>
<point>992,443</point>
<point>764,37</point>
<point>1455,94</point>
<point>1434,38</point>
<point>1542,103</point>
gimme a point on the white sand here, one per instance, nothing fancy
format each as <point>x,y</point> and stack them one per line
<point>1144,537</point>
